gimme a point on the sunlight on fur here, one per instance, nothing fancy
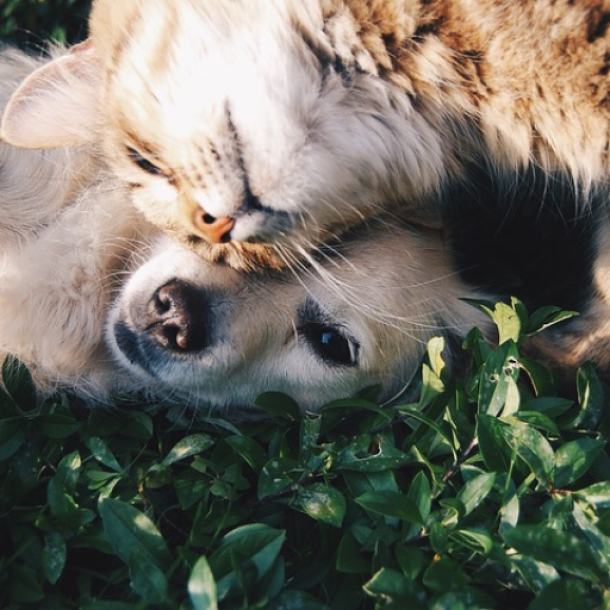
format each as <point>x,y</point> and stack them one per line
<point>264,123</point>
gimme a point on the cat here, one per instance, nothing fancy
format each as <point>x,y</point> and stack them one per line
<point>256,130</point>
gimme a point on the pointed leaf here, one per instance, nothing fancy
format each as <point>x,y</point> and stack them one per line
<point>187,447</point>
<point>476,490</point>
<point>146,578</point>
<point>391,504</point>
<point>574,458</point>
<point>131,531</point>
<point>321,502</point>
<point>563,550</point>
<point>102,453</point>
<point>497,380</point>
<point>202,586</point>
<point>54,556</point>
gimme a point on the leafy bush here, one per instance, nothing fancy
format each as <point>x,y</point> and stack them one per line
<point>484,492</point>
<point>30,22</point>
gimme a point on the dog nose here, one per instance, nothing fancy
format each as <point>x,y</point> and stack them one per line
<point>178,318</point>
<point>217,230</point>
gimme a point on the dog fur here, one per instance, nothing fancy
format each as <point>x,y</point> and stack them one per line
<point>294,119</point>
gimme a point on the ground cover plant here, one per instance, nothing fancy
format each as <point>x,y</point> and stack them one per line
<point>490,491</point>
<point>31,22</point>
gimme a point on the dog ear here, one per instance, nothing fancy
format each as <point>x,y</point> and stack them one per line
<point>57,105</point>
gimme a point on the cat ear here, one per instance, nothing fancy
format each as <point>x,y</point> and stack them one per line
<point>57,105</point>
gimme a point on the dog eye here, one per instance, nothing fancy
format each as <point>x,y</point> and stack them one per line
<point>330,344</point>
<point>143,163</point>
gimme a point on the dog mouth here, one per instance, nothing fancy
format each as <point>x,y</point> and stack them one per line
<point>133,349</point>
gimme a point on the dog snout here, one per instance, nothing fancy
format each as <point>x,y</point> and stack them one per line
<point>177,317</point>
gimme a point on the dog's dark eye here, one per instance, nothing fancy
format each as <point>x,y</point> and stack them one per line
<point>143,163</point>
<point>330,344</point>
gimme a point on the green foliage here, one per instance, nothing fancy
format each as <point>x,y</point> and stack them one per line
<point>29,22</point>
<point>487,491</point>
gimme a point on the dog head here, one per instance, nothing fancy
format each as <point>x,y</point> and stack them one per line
<point>359,317</point>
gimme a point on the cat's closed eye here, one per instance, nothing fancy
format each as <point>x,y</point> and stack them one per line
<point>143,163</point>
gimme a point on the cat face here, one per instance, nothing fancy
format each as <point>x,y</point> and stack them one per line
<point>251,130</point>
<point>231,123</point>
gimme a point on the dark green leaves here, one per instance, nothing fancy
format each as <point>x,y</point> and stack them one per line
<point>488,490</point>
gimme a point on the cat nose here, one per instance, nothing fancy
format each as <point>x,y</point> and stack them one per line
<point>178,318</point>
<point>216,230</point>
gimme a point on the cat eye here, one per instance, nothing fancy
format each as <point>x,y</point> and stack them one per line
<point>143,163</point>
<point>330,344</point>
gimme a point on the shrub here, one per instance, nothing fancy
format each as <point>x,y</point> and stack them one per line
<point>481,492</point>
<point>31,22</point>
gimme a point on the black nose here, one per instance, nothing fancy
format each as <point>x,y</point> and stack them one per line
<point>178,317</point>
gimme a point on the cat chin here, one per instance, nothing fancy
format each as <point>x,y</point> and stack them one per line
<point>242,256</point>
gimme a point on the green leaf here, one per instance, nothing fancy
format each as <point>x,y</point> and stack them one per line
<point>548,316</point>
<point>565,593</point>
<point>599,543</point>
<point>536,574</point>
<point>309,433</point>
<point>202,586</point>
<point>255,545</point>
<point>54,556</point>
<point>380,455</point>
<point>349,558</point>
<point>392,588</point>
<point>279,406</point>
<point>251,451</point>
<point>19,383</point>
<point>295,600</point>
<point>24,587</point>
<point>476,540</point>
<point>597,494</point>
<point>421,495</point>
<point>539,421</point>
<point>131,531</point>
<point>590,397</point>
<point>508,323</point>
<point>445,575</point>
<point>540,376</point>
<point>509,319</point>
<point>551,406</point>
<point>510,510</point>
<point>13,433</point>
<point>497,382</point>
<point>563,550</point>
<point>146,577</point>
<point>476,490</point>
<point>391,504</point>
<point>276,476</point>
<point>410,558</point>
<point>574,458</point>
<point>533,449</point>
<point>322,503</point>
<point>494,448</point>
<point>436,345</point>
<point>102,453</point>
<point>187,447</point>
<point>432,386</point>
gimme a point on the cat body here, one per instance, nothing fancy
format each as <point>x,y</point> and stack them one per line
<point>274,125</point>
